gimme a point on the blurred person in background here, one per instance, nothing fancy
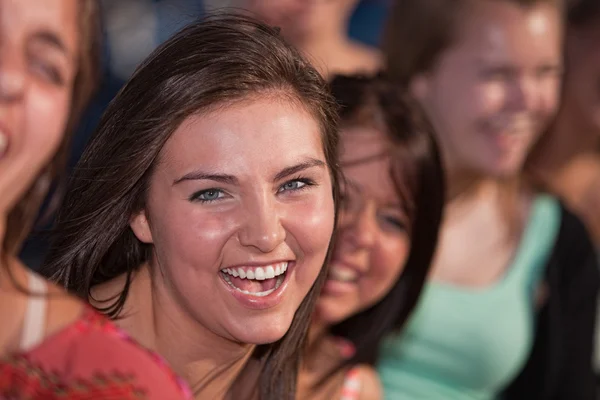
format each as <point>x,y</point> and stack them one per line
<point>567,160</point>
<point>392,201</point>
<point>510,306</point>
<point>319,28</point>
<point>51,344</point>
<point>200,214</point>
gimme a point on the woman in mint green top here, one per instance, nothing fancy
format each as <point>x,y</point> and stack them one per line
<point>509,310</point>
<point>487,332</point>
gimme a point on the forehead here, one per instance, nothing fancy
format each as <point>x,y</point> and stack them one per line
<point>366,163</point>
<point>262,131</point>
<point>506,30</point>
<point>26,17</point>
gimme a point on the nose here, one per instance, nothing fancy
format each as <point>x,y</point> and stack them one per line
<point>525,94</point>
<point>361,229</point>
<point>263,227</point>
<point>12,74</point>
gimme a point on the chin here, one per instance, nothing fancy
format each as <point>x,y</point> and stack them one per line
<point>503,168</point>
<point>263,331</point>
<point>331,314</point>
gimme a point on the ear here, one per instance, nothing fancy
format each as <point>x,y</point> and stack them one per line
<point>140,226</point>
<point>420,87</point>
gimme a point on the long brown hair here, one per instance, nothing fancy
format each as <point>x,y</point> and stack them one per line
<point>22,217</point>
<point>418,178</point>
<point>218,60</point>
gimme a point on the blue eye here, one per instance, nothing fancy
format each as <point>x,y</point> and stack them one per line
<point>292,185</point>
<point>208,195</point>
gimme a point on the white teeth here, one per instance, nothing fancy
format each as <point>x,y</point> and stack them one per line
<point>270,272</point>
<point>258,273</point>
<point>342,274</point>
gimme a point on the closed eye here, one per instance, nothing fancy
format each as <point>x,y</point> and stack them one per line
<point>395,223</point>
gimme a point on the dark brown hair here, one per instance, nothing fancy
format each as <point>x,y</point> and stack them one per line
<point>22,217</point>
<point>419,31</point>
<point>582,13</point>
<point>418,177</point>
<point>216,61</point>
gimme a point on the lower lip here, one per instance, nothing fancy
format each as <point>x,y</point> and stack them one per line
<point>506,142</point>
<point>338,288</point>
<point>262,302</point>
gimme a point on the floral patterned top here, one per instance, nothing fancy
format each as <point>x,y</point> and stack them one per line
<point>89,359</point>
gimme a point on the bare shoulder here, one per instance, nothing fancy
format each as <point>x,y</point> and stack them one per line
<point>370,385</point>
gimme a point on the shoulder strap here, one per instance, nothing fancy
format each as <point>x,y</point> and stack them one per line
<point>35,314</point>
<point>352,384</point>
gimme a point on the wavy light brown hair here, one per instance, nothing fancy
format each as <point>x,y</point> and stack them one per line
<point>214,62</point>
<point>419,31</point>
<point>23,215</point>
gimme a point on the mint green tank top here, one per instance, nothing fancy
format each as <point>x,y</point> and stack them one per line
<point>470,343</point>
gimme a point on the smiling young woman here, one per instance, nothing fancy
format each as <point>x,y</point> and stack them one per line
<point>510,306</point>
<point>53,345</point>
<point>201,212</point>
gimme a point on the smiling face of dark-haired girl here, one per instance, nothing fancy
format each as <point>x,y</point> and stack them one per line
<point>239,212</point>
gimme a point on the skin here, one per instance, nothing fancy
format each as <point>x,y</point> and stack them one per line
<point>319,29</point>
<point>372,246</point>
<point>505,69</point>
<point>38,53</point>
<point>373,241</point>
<point>243,185</point>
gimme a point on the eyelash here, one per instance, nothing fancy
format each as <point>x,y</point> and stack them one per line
<point>396,222</point>
<point>306,181</point>
<point>50,72</point>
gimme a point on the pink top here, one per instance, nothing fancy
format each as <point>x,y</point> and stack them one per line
<point>89,359</point>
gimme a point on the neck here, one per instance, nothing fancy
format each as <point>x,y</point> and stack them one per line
<point>209,363</point>
<point>464,186</point>
<point>315,359</point>
<point>327,44</point>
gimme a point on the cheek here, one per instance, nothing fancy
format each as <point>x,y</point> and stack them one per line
<point>46,116</point>
<point>387,263</point>
<point>549,98</point>
<point>458,104</point>
<point>310,224</point>
<point>184,233</point>
<point>491,98</point>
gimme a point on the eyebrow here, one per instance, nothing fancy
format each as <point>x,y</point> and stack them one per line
<point>53,40</point>
<point>310,163</point>
<point>355,186</point>
<point>199,176</point>
<point>232,180</point>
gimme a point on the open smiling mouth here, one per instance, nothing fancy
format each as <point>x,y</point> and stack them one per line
<point>256,281</point>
